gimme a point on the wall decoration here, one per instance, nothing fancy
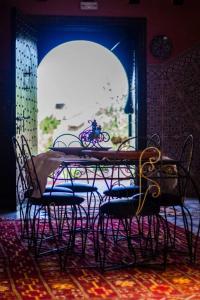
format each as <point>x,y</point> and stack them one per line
<point>161,47</point>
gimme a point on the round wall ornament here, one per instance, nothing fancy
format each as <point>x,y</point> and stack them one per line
<point>161,47</point>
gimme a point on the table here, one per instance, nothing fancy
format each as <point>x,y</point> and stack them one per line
<point>124,161</point>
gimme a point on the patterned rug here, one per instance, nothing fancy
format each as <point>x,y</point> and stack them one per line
<point>21,277</point>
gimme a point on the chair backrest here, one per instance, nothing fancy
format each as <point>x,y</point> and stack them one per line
<point>29,166</point>
<point>18,153</point>
<point>140,143</point>
<point>154,140</point>
<point>67,140</point>
<point>186,155</point>
<point>22,186</point>
<point>184,165</point>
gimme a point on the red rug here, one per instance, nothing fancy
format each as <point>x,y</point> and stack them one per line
<point>21,277</point>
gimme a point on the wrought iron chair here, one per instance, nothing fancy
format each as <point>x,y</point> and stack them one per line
<point>64,142</point>
<point>49,216</point>
<point>90,137</point>
<point>77,178</point>
<point>174,198</point>
<point>67,140</point>
<point>118,222</point>
<point>118,189</point>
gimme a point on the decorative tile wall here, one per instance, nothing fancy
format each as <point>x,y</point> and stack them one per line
<point>173,103</point>
<point>26,83</point>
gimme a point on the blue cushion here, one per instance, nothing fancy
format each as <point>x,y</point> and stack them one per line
<point>49,189</point>
<point>78,187</point>
<point>58,198</point>
<point>123,208</point>
<point>122,191</point>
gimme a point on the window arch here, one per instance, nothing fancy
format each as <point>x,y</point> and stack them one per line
<point>126,37</point>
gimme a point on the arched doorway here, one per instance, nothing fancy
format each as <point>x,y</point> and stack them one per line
<point>81,81</point>
<point>125,37</point>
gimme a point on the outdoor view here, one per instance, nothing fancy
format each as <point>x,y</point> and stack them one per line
<point>80,81</point>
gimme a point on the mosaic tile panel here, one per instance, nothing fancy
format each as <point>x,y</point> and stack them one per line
<point>26,83</point>
<point>173,96</point>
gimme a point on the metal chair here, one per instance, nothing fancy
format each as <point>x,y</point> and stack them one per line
<point>51,216</point>
<point>175,197</point>
<point>119,224</point>
<point>140,143</point>
<point>67,140</point>
<point>118,189</point>
<point>77,178</point>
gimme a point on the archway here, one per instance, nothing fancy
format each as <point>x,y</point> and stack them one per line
<point>43,33</point>
<point>80,81</point>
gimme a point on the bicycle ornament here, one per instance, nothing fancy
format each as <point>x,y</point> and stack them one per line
<point>93,135</point>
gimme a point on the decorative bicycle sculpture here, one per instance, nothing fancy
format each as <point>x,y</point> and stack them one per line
<point>93,136</point>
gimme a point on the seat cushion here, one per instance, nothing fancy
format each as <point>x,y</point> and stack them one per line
<point>122,191</point>
<point>78,187</point>
<point>49,189</point>
<point>57,198</point>
<point>166,200</point>
<point>123,208</point>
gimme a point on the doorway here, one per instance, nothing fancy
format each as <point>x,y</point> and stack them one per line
<point>37,35</point>
<point>124,38</point>
<point>81,81</point>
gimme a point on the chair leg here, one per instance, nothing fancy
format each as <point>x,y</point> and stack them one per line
<point>166,239</point>
<point>127,227</point>
<point>74,221</point>
<point>172,237</point>
<point>196,244</point>
<point>188,231</point>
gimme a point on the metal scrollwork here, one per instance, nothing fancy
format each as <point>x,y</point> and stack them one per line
<point>147,164</point>
<point>93,135</point>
